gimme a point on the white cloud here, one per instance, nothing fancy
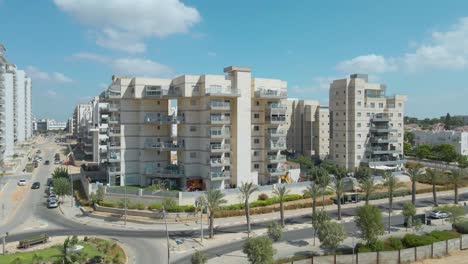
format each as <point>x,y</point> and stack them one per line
<point>444,50</point>
<point>212,54</point>
<point>37,75</point>
<point>129,66</point>
<point>371,63</point>
<point>51,93</point>
<point>125,24</point>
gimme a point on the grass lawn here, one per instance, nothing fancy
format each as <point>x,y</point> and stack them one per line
<point>91,248</point>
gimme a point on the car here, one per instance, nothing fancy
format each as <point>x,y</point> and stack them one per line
<point>38,151</point>
<point>438,214</point>
<point>47,162</point>
<point>22,182</point>
<point>57,162</point>
<point>51,197</point>
<point>50,182</point>
<point>36,164</point>
<point>53,203</point>
<point>36,185</point>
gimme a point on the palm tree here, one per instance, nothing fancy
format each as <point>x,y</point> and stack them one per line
<point>339,190</point>
<point>68,256</point>
<point>246,190</point>
<point>392,183</point>
<point>281,192</point>
<point>368,186</point>
<point>322,178</point>
<point>60,172</point>
<point>314,191</point>
<point>432,176</point>
<point>414,172</point>
<point>213,199</point>
<point>455,179</point>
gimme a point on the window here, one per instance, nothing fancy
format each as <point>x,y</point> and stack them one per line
<point>380,105</point>
<point>255,153</point>
<point>368,124</point>
<point>359,146</point>
<point>336,156</point>
<point>399,124</point>
<point>158,102</point>
<point>358,124</point>
<point>336,103</point>
<point>359,135</point>
<point>359,103</point>
<point>257,103</point>
<point>336,145</point>
<point>256,166</point>
<point>193,102</point>
<point>399,114</point>
<point>193,155</point>
<point>336,113</point>
<point>359,91</point>
<point>256,128</point>
<point>193,128</point>
<point>368,114</point>
<point>372,105</point>
<point>256,115</point>
<point>359,157</point>
<point>400,104</point>
<point>359,114</point>
<point>399,134</point>
<point>256,141</point>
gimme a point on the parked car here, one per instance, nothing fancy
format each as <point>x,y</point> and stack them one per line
<point>22,182</point>
<point>47,162</point>
<point>438,214</point>
<point>50,182</point>
<point>36,185</point>
<point>50,190</point>
<point>57,162</point>
<point>53,203</point>
<point>35,164</point>
<point>51,197</point>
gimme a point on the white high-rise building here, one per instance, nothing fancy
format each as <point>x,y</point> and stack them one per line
<point>228,130</point>
<point>366,124</point>
<point>15,106</point>
<point>458,139</point>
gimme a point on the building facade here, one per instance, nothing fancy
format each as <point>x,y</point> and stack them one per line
<point>307,128</point>
<point>458,139</point>
<point>193,131</point>
<point>46,125</point>
<point>366,125</point>
<point>15,106</point>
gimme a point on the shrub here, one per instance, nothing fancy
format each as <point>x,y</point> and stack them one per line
<point>131,206</point>
<point>361,248</point>
<point>292,197</point>
<point>140,206</point>
<point>412,240</point>
<point>442,235</point>
<point>155,206</point>
<point>262,197</point>
<point>199,258</point>
<point>461,227</point>
<point>108,204</point>
<point>394,243</point>
<point>275,231</point>
<point>377,246</point>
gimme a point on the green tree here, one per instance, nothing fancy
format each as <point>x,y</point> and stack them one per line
<point>339,190</point>
<point>423,151</point>
<point>199,258</point>
<point>369,221</point>
<point>331,234</point>
<point>213,199</point>
<point>447,122</point>
<point>275,231</point>
<point>322,178</point>
<point>318,218</point>
<point>368,186</point>
<point>329,166</point>
<point>305,162</point>
<point>432,176</point>
<point>409,137</point>
<point>314,191</point>
<point>62,187</point>
<point>392,184</point>
<point>37,259</point>
<point>259,250</point>
<point>98,196</point>
<point>456,212</point>
<point>445,152</point>
<point>247,189</point>
<point>362,172</point>
<point>409,211</point>
<point>414,171</point>
<point>407,149</point>
<point>60,172</point>
<point>455,179</point>
<point>281,192</point>
<point>68,256</point>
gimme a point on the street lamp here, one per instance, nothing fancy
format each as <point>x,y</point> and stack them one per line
<point>3,240</point>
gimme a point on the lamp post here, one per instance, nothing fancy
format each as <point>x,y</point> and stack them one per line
<point>167,237</point>
<point>3,240</point>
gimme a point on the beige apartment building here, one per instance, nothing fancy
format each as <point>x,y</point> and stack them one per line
<point>366,124</point>
<point>228,130</point>
<point>307,128</point>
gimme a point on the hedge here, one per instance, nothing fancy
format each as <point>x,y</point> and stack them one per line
<point>141,206</point>
<point>461,227</point>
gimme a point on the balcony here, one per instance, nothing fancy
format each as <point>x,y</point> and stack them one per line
<point>278,109</point>
<point>276,158</point>
<point>276,171</point>
<point>276,119</point>
<point>113,171</point>
<point>219,175</point>
<point>172,171</point>
<point>383,129</point>
<point>114,145</point>
<point>277,145</point>
<point>114,107</point>
<point>276,133</point>
<point>114,92</point>
<point>219,133</point>
<point>381,118</point>
<point>383,140</point>
<point>163,146</point>
<point>379,150</point>
<point>114,120</point>
<point>383,162</point>
<point>219,148</point>
<point>220,120</point>
<point>114,156</point>
<point>151,118</point>
<point>219,162</point>
<point>113,132</point>
<point>160,92</point>
<point>219,105</point>
<point>221,91</point>
<point>271,93</point>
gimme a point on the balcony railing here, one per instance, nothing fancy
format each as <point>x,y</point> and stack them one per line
<point>383,129</point>
<point>277,158</point>
<point>276,108</point>
<point>112,171</point>
<point>114,157</point>
<point>276,171</point>
<point>170,119</point>
<point>381,118</point>
<point>114,132</point>
<point>170,171</point>
<point>384,139</point>
<point>219,175</point>
<point>163,145</point>
<point>379,150</point>
<point>220,119</point>
<point>218,105</point>
<point>221,91</point>
<point>277,145</point>
<point>219,133</point>
<point>114,107</point>
<point>276,133</point>
<point>114,120</point>
<point>220,162</point>
<point>276,119</point>
<point>114,92</point>
<point>219,147</point>
<point>272,93</point>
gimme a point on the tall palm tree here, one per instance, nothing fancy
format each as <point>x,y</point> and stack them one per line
<point>68,256</point>
<point>247,189</point>
<point>314,191</point>
<point>281,192</point>
<point>391,183</point>
<point>414,172</point>
<point>432,175</point>
<point>368,186</point>
<point>339,190</point>
<point>455,179</point>
<point>213,200</point>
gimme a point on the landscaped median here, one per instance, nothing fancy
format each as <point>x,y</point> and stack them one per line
<point>76,250</point>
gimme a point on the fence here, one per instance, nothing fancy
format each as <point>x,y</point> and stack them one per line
<point>437,249</point>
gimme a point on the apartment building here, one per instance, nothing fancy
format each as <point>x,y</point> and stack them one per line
<point>366,125</point>
<point>193,131</point>
<point>15,106</point>
<point>45,125</point>
<point>458,139</point>
<point>307,128</point>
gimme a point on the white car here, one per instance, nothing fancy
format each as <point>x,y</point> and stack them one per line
<point>22,182</point>
<point>438,214</point>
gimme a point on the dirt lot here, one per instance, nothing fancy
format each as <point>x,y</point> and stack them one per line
<point>457,257</point>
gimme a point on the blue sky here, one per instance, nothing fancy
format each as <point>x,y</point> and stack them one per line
<point>71,48</point>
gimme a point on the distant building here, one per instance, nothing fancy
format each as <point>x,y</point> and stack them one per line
<point>458,139</point>
<point>47,125</point>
